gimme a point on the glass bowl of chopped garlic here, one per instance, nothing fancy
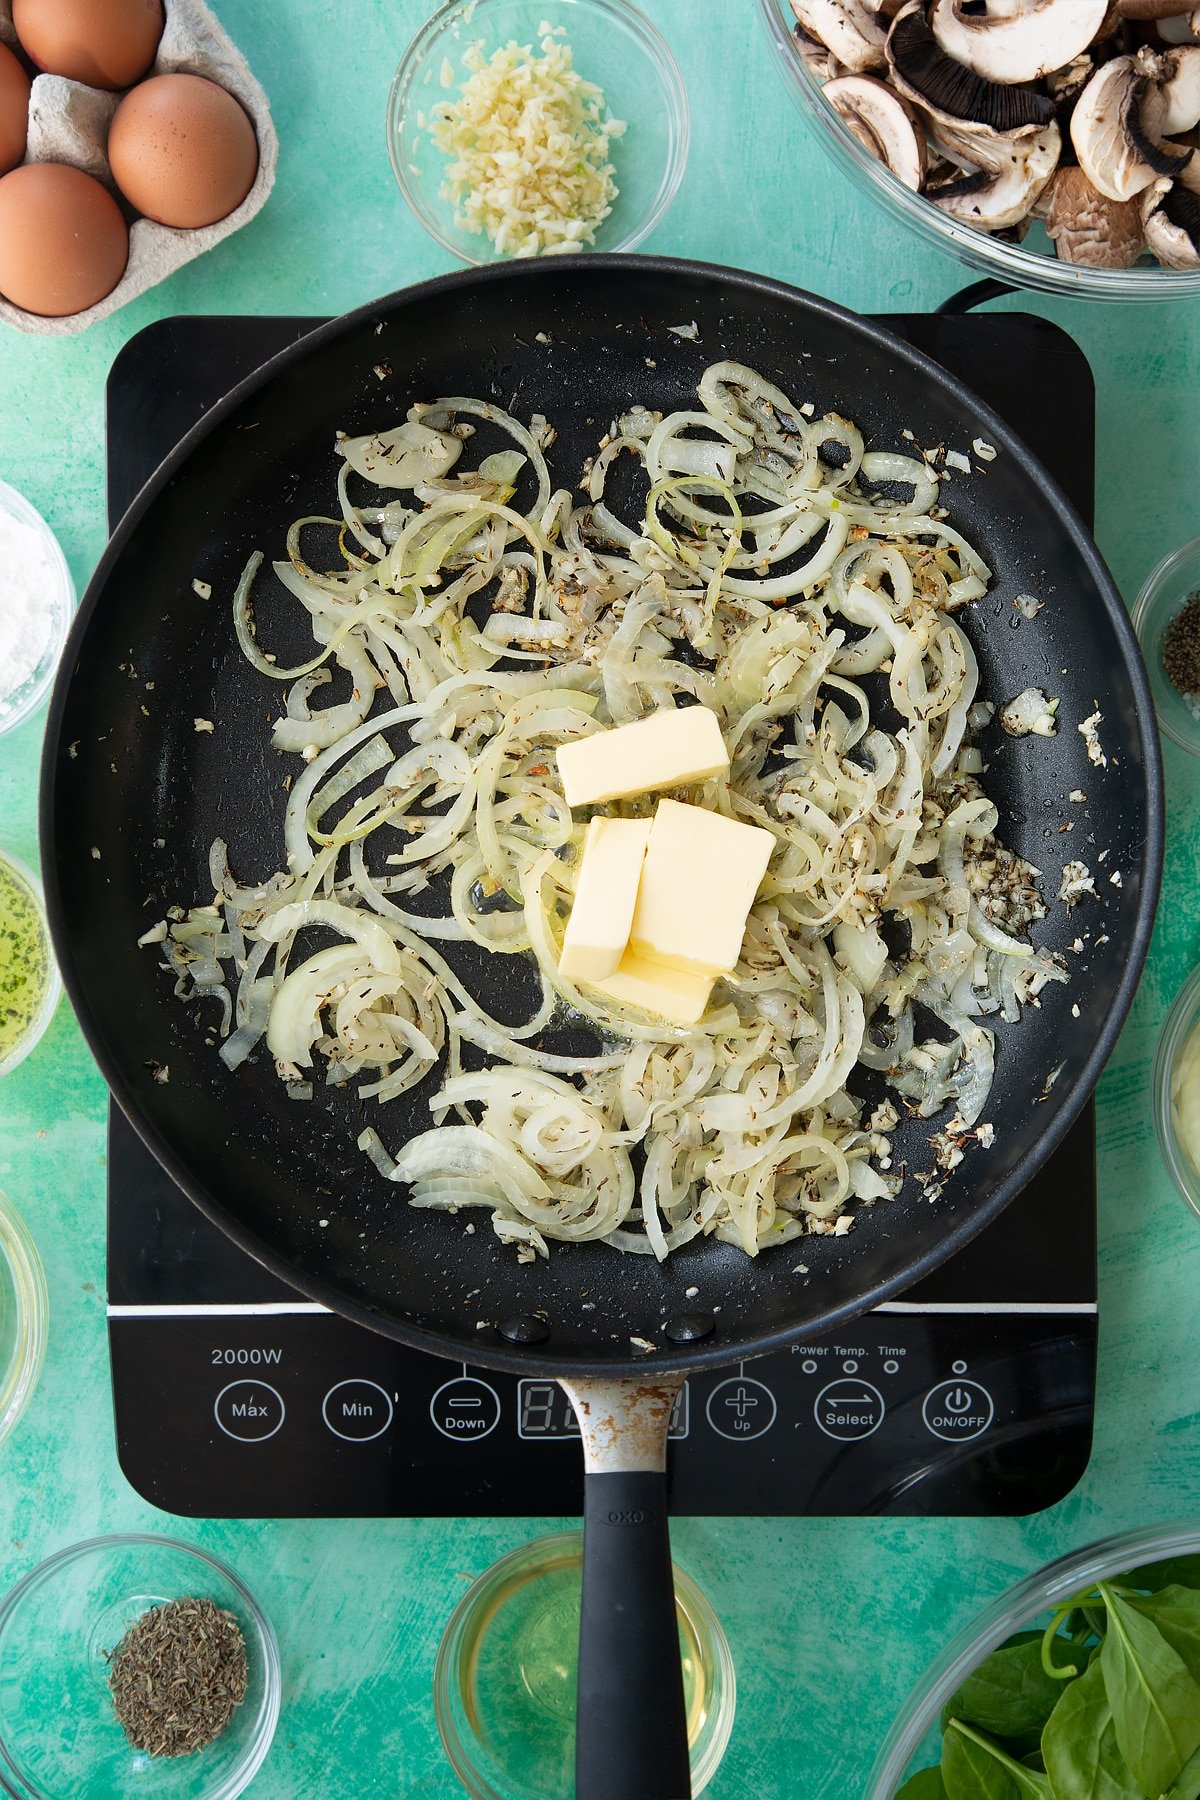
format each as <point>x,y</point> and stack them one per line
<point>519,130</point>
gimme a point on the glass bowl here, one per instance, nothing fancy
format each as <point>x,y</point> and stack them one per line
<point>33,985</point>
<point>1032,264</point>
<point>58,605</point>
<point>613,45</point>
<point>59,1736</point>
<point>914,1740</point>
<point>1163,593</point>
<point>24,1312</point>
<point>1177,1060</point>
<point>504,1681</point>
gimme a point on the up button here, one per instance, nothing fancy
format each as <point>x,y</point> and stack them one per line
<point>957,1411</point>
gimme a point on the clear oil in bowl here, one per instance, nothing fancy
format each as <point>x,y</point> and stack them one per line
<point>506,1678</point>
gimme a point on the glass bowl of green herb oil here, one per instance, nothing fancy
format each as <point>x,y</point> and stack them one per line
<point>504,1680</point>
<point>23,1315</point>
<point>1083,1679</point>
<point>29,981</point>
<point>1166,617</point>
<point>134,1665</point>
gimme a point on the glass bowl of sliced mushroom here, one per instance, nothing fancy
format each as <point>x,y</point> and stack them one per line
<point>1053,143</point>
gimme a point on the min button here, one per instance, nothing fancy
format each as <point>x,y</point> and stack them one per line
<point>357,1411</point>
<point>249,1410</point>
<point>957,1411</point>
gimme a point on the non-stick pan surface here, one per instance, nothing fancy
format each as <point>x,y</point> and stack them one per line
<point>133,796</point>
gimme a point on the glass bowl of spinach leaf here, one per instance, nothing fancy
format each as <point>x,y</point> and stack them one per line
<point>1081,1683</point>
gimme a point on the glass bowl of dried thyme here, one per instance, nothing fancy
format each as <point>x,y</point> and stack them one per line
<point>1166,617</point>
<point>135,1664</point>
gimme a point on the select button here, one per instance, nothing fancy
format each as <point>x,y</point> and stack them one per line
<point>249,1410</point>
<point>357,1411</point>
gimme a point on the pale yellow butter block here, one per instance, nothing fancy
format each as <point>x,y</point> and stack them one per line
<point>698,884</point>
<point>605,896</point>
<point>666,750</point>
<point>669,993</point>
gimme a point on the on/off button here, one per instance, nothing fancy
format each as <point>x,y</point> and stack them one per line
<point>957,1411</point>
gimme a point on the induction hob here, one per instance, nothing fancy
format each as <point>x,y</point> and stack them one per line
<point>234,1397</point>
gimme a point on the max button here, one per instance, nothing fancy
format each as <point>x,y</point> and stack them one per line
<point>465,1409</point>
<point>357,1411</point>
<point>957,1411</point>
<point>251,1411</point>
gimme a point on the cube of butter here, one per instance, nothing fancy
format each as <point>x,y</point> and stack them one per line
<point>666,750</point>
<point>698,884</point>
<point>605,895</point>
<point>669,993</point>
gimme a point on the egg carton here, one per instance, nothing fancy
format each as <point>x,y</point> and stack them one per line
<point>68,123</point>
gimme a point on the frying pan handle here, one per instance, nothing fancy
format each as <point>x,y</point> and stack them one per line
<point>631,1722</point>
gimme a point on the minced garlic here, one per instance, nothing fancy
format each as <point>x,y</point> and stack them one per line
<point>529,139</point>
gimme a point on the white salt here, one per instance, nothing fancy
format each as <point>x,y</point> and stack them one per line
<point>29,584</point>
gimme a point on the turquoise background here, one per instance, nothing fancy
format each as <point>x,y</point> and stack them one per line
<point>830,1621</point>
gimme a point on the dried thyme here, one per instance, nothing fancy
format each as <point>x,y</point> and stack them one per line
<point>1181,648</point>
<point>178,1676</point>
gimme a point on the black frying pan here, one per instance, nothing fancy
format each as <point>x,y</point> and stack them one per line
<point>133,796</point>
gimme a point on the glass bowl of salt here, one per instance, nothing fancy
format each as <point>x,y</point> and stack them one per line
<point>37,599</point>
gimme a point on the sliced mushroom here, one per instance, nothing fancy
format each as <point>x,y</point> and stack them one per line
<point>1177,73</point>
<point>1116,127</point>
<point>849,29</point>
<point>947,89</point>
<point>1005,174</point>
<point>883,122</point>
<point>1153,10</point>
<point>1181,28</point>
<point>1066,84</point>
<point>1171,220</point>
<point>1086,227</point>
<point>1015,40</point>
<point>820,61</point>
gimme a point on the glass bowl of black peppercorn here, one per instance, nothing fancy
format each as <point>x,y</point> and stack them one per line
<point>134,1665</point>
<point>1166,617</point>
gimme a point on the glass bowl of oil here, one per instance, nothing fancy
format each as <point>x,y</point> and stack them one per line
<point>504,1680</point>
<point>23,1315</point>
<point>29,981</point>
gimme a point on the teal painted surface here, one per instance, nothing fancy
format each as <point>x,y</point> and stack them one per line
<point>830,1622</point>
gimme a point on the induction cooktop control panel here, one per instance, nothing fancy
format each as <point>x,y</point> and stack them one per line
<point>285,1414</point>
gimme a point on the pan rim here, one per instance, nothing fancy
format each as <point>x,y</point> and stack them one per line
<point>495,1353</point>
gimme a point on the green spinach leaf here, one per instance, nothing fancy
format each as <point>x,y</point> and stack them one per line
<point>1184,1570</point>
<point>1009,1694</point>
<point>928,1785</point>
<point>1187,1787</point>
<point>1176,1612</point>
<point>1080,1747</point>
<point>973,1768</point>
<point>1155,1703</point>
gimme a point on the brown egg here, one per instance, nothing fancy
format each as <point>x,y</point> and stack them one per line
<point>107,43</point>
<point>63,241</point>
<point>182,150</point>
<point>14,110</point>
